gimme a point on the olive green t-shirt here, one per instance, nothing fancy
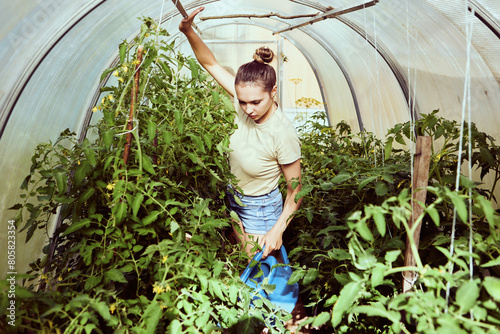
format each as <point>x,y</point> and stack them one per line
<point>259,150</point>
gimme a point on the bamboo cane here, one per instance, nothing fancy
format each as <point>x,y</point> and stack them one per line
<point>135,91</point>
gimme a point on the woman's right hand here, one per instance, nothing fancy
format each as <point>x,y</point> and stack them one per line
<point>187,23</point>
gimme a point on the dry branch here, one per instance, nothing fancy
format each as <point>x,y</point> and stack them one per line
<point>235,16</point>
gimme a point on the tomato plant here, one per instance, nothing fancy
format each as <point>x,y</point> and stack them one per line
<point>141,246</point>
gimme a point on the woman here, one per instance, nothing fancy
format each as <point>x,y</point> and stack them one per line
<point>264,145</point>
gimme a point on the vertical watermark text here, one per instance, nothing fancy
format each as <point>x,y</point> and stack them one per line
<point>11,272</point>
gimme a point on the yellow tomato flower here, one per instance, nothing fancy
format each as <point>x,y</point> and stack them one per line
<point>165,259</point>
<point>125,68</point>
<point>111,186</point>
<point>59,278</point>
<point>112,308</point>
<point>120,79</point>
<point>115,73</point>
<point>111,98</point>
<point>157,289</point>
<point>94,109</point>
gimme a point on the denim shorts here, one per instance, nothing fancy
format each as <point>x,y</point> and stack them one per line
<point>260,213</point>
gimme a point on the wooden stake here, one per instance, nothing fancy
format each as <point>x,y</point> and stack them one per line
<point>420,181</point>
<point>135,91</point>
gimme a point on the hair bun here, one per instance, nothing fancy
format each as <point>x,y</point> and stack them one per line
<point>263,55</point>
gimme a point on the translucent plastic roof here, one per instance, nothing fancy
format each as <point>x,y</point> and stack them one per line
<point>373,66</point>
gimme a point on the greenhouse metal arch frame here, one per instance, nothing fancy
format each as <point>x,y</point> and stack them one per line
<point>50,77</point>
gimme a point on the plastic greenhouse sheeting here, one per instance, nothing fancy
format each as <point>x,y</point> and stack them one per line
<point>374,66</point>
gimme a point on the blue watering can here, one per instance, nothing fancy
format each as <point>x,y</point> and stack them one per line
<point>284,295</point>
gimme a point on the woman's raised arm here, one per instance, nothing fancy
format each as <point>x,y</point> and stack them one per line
<point>204,55</point>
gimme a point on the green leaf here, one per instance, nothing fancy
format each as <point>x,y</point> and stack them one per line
<point>327,186</point>
<point>492,263</point>
<point>90,155</point>
<point>106,72</point>
<point>151,130</point>
<point>366,261</point>
<point>489,211</point>
<point>152,316</point>
<point>175,327</point>
<point>366,181</point>
<point>167,137</point>
<point>388,148</point>
<point>174,226</point>
<point>392,256</point>
<point>378,275</point>
<point>150,218</point>
<point>233,294</point>
<point>381,188</point>
<point>102,309</point>
<point>434,214</point>
<point>214,287</point>
<point>347,297</point>
<point>379,218</point>
<point>121,211</point>
<point>296,276</point>
<point>148,165</point>
<point>76,226</point>
<point>311,275</point>
<point>92,282</point>
<point>341,177</point>
<point>194,68</point>
<point>306,189</point>
<point>492,285</point>
<point>215,96</point>
<point>202,322</point>
<point>179,121</point>
<point>123,51</point>
<point>364,231</point>
<point>136,204</point>
<point>115,275</point>
<point>339,254</point>
<point>400,139</point>
<point>378,310</point>
<point>234,215</point>
<point>86,195</point>
<point>198,142</point>
<point>60,181</point>
<point>467,295</point>
<point>321,319</point>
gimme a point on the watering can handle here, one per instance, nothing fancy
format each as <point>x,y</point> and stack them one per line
<point>257,257</point>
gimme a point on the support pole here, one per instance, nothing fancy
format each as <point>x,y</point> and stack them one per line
<point>420,181</point>
<point>135,91</point>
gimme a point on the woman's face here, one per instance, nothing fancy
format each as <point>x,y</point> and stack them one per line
<point>255,101</point>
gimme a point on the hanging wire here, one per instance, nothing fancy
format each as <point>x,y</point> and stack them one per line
<point>410,98</point>
<point>465,104</point>
<point>156,41</point>
<point>369,80</point>
<point>411,106</point>
<point>469,162</point>
<point>378,85</point>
